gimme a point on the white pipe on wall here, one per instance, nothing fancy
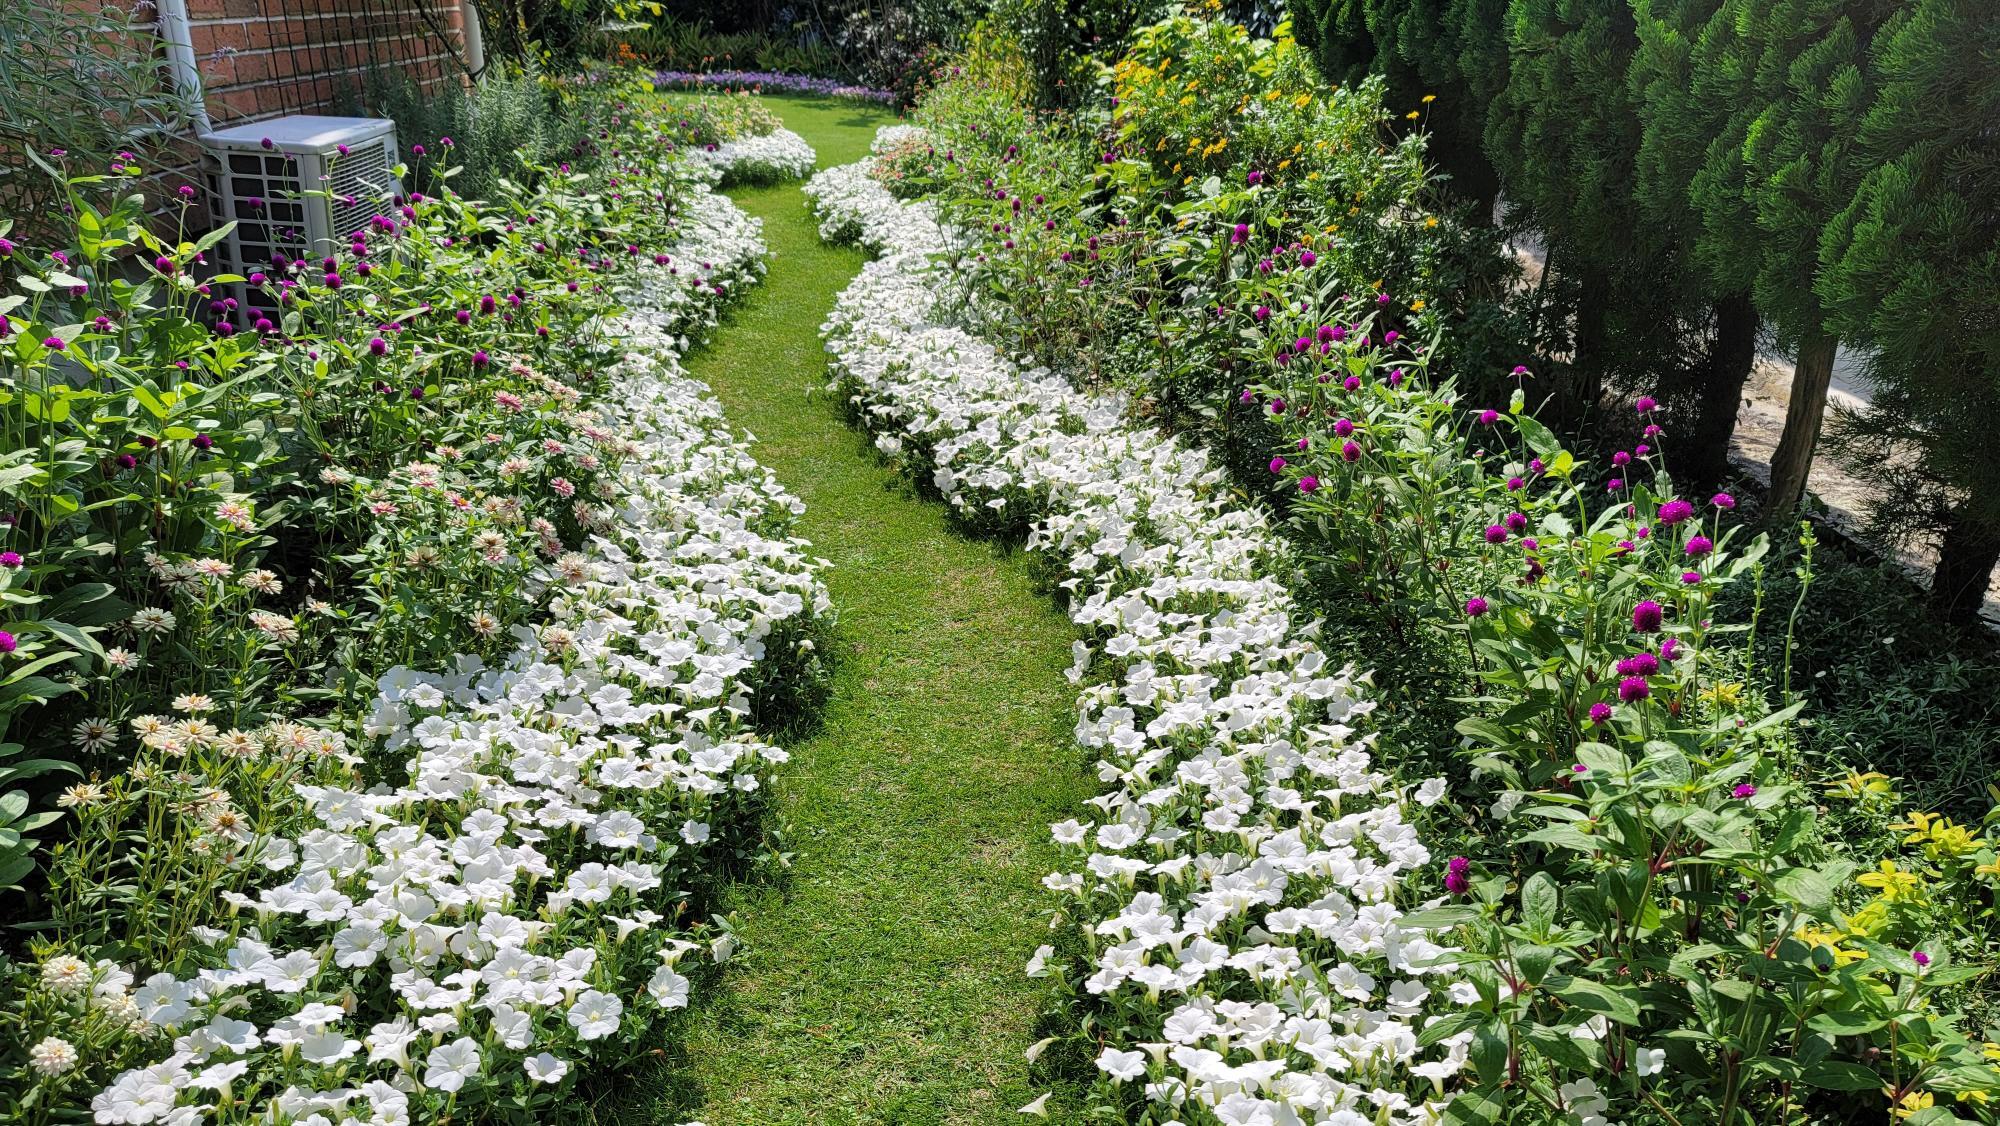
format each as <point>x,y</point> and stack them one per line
<point>177,32</point>
<point>475,37</point>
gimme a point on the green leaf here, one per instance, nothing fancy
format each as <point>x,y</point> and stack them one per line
<point>1559,1046</point>
<point>1845,1024</point>
<point>1835,1075</point>
<point>1489,1052</point>
<point>1481,1106</point>
<point>1439,918</point>
<point>1448,1025</point>
<point>1807,888</point>
<point>150,401</point>
<point>36,767</point>
<point>1597,998</point>
<point>1539,437</point>
<point>1539,901</point>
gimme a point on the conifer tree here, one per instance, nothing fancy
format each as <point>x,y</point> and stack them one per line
<point>1912,268</point>
<point>1565,138</point>
<point>1690,82</point>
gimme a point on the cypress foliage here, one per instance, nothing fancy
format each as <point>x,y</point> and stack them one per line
<point>1912,266</point>
<point>1690,82</point>
<point>1564,134</point>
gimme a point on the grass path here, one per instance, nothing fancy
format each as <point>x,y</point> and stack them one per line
<point>882,982</point>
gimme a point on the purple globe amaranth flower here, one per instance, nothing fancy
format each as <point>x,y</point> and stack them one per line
<point>55,344</point>
<point>1722,500</point>
<point>1456,875</point>
<point>1599,713</point>
<point>1647,615</point>
<point>1488,417</point>
<point>1698,546</point>
<point>1535,465</point>
<point>1277,406</point>
<point>1308,484</point>
<point>1634,688</point>
<point>1475,606</point>
<point>1305,444</point>
<point>1621,459</point>
<point>1516,522</point>
<point>7,642</point>
<point>1616,484</point>
<point>1646,404</point>
<point>378,346</point>
<point>1690,577</point>
<point>11,559</point>
<point>1579,768</point>
<point>1675,511</point>
<point>203,442</point>
<point>1496,534</point>
<point>1669,649</point>
<point>1515,484</point>
<point>1246,396</point>
<point>127,461</point>
<point>1350,452</point>
<point>1278,464</point>
<point>1307,257</point>
<point>1239,234</point>
<point>480,359</point>
<point>1343,427</point>
<point>1744,790</point>
<point>1352,383</point>
<point>1639,664</point>
<point>1920,958</point>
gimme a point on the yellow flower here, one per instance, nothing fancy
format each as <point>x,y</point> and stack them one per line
<point>1723,695</point>
<point>1829,938</point>
<point>1410,116</point>
<point>1937,834</point>
<point>1417,306</point>
<point>1429,98</point>
<point>1431,221</point>
<point>1909,1104</point>
<point>1991,1051</point>
<point>1893,883</point>
<point>1857,785</point>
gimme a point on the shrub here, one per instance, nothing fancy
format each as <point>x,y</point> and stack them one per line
<point>1658,919</point>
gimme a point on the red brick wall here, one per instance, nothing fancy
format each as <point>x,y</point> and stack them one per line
<point>268,58</point>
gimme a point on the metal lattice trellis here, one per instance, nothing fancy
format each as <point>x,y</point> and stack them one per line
<point>321,49</point>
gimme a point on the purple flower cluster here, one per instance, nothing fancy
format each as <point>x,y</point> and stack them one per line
<point>767,82</point>
<point>1456,878</point>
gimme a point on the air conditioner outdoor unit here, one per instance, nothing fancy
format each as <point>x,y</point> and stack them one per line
<point>259,176</point>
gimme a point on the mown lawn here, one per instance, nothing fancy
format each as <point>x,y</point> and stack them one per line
<point>882,981</point>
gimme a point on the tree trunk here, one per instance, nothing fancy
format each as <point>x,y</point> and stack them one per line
<point>1966,559</point>
<point>1586,366</point>
<point>1721,397</point>
<point>1793,462</point>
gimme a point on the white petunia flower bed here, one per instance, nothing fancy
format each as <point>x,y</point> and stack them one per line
<point>768,159</point>
<point>512,910</point>
<point>1234,914</point>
